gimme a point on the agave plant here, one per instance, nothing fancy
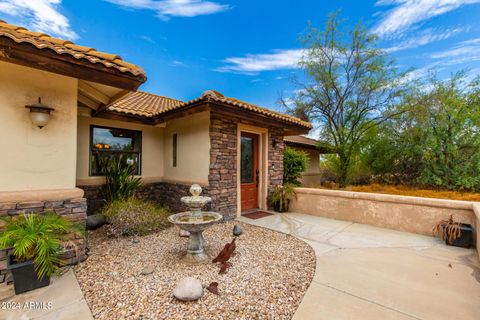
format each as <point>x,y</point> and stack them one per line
<point>448,229</point>
<point>120,180</point>
<point>36,237</point>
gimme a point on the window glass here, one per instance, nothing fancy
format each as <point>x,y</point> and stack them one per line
<point>114,142</point>
<point>174,150</point>
<point>247,165</point>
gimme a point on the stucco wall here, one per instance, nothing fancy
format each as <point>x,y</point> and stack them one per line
<point>152,148</point>
<point>411,214</point>
<point>193,149</point>
<point>311,176</point>
<point>33,158</point>
<point>476,210</point>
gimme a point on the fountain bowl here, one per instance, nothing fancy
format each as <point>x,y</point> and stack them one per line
<point>185,220</point>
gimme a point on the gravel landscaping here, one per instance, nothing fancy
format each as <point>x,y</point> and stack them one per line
<point>269,275</point>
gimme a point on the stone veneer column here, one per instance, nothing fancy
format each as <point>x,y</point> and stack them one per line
<point>275,158</point>
<point>74,209</point>
<point>222,177</point>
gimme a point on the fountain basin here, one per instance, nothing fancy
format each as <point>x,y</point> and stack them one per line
<point>192,223</point>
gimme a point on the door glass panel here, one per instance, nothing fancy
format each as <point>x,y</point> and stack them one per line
<point>247,160</point>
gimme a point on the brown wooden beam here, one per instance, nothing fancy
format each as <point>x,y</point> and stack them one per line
<point>46,59</point>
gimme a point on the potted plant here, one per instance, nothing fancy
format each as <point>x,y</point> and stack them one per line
<point>35,244</point>
<point>281,197</point>
<point>454,233</point>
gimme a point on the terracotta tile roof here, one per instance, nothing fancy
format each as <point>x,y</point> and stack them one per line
<point>301,140</point>
<point>150,105</point>
<point>144,104</point>
<point>44,41</point>
<point>215,96</point>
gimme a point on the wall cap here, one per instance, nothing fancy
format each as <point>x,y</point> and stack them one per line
<point>379,197</point>
<point>40,195</point>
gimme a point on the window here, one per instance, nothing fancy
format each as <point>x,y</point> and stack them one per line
<point>174,150</point>
<point>114,142</point>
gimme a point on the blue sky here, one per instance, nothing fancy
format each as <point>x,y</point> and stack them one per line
<point>249,49</point>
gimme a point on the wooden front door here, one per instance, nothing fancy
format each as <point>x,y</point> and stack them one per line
<point>249,172</point>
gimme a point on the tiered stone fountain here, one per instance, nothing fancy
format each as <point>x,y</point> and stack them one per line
<point>195,221</point>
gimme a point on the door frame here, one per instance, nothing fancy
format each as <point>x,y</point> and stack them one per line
<point>262,164</point>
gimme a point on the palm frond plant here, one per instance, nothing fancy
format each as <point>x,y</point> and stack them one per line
<point>120,179</point>
<point>37,237</point>
<point>281,197</point>
<point>454,233</point>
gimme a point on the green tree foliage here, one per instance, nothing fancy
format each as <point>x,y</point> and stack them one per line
<point>436,140</point>
<point>350,88</point>
<point>294,163</point>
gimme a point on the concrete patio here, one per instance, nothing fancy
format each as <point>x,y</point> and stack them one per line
<point>61,300</point>
<point>365,272</point>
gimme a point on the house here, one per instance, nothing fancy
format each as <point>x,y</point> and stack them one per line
<point>64,107</point>
<point>311,176</point>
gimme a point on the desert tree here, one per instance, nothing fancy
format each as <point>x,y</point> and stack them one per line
<point>348,87</point>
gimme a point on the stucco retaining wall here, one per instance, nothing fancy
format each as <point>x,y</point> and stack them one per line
<point>476,210</point>
<point>403,213</point>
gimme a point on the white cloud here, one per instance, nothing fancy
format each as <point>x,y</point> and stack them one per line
<point>462,52</point>
<point>425,37</point>
<point>173,8</point>
<point>407,13</point>
<point>39,15</point>
<point>255,63</point>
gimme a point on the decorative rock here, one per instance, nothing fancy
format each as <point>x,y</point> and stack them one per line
<point>237,230</point>
<point>95,221</point>
<point>184,233</point>
<point>147,270</point>
<point>188,289</point>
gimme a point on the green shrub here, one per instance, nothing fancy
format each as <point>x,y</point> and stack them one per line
<point>295,162</point>
<point>132,217</point>
<point>37,237</point>
<point>120,181</point>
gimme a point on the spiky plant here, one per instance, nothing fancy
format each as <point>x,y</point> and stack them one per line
<point>282,195</point>
<point>448,229</point>
<point>36,237</point>
<point>121,182</point>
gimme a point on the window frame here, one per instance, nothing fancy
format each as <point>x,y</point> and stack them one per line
<point>90,151</point>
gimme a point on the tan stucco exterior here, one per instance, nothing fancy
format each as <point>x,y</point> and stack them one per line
<point>193,153</point>
<point>193,149</point>
<point>311,176</point>
<point>152,148</point>
<point>403,213</point>
<point>33,158</point>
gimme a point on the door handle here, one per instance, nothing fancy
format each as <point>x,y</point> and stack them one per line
<point>257,177</point>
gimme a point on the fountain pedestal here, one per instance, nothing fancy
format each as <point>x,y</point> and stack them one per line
<point>195,221</point>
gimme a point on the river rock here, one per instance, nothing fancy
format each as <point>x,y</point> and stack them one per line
<point>95,221</point>
<point>237,230</point>
<point>188,289</point>
<point>184,233</point>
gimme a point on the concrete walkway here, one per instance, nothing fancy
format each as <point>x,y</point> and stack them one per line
<point>364,272</point>
<point>61,300</point>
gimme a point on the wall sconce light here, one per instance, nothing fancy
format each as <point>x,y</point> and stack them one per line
<point>39,113</point>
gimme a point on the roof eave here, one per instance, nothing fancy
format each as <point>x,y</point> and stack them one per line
<point>28,55</point>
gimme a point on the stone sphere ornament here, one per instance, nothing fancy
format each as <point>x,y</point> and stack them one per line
<point>195,190</point>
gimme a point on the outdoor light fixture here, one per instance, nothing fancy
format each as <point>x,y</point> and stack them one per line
<point>39,113</point>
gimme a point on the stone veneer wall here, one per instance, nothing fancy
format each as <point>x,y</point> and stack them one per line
<point>223,162</point>
<point>72,209</point>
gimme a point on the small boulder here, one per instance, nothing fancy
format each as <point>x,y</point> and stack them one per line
<point>237,230</point>
<point>188,289</point>
<point>184,233</point>
<point>147,270</point>
<point>95,221</point>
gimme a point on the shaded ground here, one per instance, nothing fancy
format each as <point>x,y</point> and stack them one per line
<point>270,274</point>
<point>365,272</point>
